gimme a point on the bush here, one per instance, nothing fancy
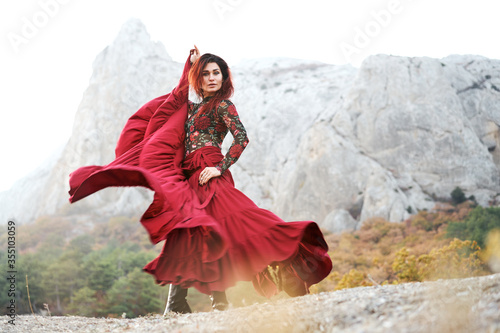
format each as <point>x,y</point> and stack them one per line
<point>405,266</point>
<point>353,279</point>
<point>476,225</point>
<point>458,196</point>
<point>459,259</point>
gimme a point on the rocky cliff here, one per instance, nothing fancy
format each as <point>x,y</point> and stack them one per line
<point>334,144</point>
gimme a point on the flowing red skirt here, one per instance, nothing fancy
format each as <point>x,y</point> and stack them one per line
<point>253,244</point>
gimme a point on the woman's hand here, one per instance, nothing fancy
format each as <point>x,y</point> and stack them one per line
<point>207,174</point>
<point>195,54</point>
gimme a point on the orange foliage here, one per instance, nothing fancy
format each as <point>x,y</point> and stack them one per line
<point>383,252</point>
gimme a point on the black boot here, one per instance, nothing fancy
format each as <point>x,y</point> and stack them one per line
<point>219,300</point>
<point>177,300</point>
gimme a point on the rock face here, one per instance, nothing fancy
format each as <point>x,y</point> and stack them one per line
<point>385,140</point>
<point>126,74</point>
<point>333,144</point>
<point>407,130</point>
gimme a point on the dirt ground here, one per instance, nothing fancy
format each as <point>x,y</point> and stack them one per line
<point>462,305</point>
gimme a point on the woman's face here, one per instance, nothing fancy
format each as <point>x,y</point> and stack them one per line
<point>212,79</point>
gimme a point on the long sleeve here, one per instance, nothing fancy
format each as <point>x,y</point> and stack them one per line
<point>227,112</point>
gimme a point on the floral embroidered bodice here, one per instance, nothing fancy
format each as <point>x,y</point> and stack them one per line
<point>210,128</point>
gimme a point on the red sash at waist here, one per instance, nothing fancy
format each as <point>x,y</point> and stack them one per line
<point>194,164</point>
<point>201,158</point>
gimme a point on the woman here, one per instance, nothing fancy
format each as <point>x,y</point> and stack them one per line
<point>214,235</point>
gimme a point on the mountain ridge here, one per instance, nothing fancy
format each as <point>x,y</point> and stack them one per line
<point>333,144</point>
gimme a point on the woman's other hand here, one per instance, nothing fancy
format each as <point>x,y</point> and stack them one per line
<point>195,54</point>
<point>207,174</point>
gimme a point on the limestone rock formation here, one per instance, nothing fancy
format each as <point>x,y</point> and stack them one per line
<point>126,74</point>
<point>333,144</point>
<point>408,130</point>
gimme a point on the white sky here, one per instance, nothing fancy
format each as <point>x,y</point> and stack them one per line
<point>44,72</point>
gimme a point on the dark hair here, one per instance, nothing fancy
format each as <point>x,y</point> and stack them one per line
<point>196,79</point>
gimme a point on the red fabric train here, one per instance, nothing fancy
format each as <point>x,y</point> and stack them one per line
<point>214,235</point>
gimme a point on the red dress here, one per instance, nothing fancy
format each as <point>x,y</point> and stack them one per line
<point>214,235</point>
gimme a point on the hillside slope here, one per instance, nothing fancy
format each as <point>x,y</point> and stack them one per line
<point>462,305</point>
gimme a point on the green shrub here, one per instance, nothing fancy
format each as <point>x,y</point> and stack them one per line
<point>476,226</point>
<point>458,196</point>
